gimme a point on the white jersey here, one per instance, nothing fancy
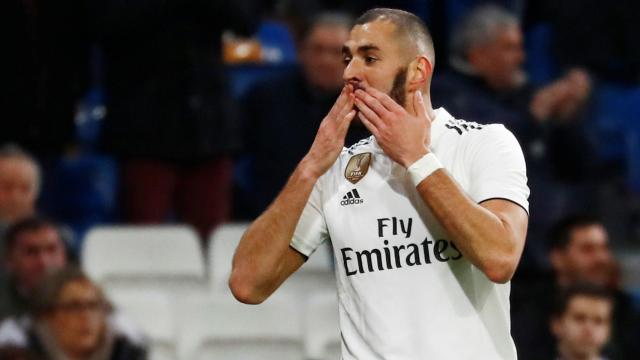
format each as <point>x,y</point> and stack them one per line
<point>405,291</point>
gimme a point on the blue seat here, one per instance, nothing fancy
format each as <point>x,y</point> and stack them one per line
<point>616,126</point>
<point>540,65</point>
<point>80,191</point>
<point>277,43</point>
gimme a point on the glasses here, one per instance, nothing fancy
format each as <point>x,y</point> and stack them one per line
<point>75,307</point>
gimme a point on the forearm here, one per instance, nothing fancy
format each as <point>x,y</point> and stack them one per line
<point>260,259</point>
<point>483,238</point>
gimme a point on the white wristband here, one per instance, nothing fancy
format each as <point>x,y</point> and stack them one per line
<point>424,167</point>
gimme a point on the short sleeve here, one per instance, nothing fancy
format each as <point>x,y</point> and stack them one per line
<point>498,169</point>
<point>311,230</point>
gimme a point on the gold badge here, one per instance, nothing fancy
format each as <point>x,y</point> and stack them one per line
<point>357,167</point>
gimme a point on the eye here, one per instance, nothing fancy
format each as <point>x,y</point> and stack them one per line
<point>370,59</point>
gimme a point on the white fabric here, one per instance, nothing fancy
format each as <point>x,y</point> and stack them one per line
<point>422,168</point>
<point>405,291</point>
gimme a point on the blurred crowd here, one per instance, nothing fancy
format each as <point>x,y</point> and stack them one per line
<point>196,111</point>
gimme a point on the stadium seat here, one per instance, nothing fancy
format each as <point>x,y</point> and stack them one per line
<point>322,328</point>
<point>222,328</point>
<point>80,191</point>
<point>316,274</point>
<point>166,258</point>
<point>152,312</point>
<point>277,43</point>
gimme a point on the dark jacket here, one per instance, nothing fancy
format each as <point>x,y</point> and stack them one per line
<point>167,94</point>
<point>43,71</point>
<point>282,117</point>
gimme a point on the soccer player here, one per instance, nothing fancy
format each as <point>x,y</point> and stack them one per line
<point>427,217</point>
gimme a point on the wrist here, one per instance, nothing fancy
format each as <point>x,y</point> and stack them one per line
<point>423,168</point>
<point>307,170</point>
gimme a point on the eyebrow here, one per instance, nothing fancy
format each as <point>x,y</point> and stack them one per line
<point>361,49</point>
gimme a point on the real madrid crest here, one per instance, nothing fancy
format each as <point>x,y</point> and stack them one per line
<point>357,167</point>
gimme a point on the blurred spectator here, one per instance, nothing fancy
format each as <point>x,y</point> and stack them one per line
<point>68,319</point>
<point>487,84</point>
<point>19,185</point>
<point>579,252</point>
<point>170,118</point>
<point>44,72</point>
<point>289,109</point>
<point>34,247</point>
<point>581,322</point>
<point>603,39</point>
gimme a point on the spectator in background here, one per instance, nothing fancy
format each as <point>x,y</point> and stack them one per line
<point>19,187</point>
<point>34,247</point>
<point>289,109</point>
<point>579,253</point>
<point>487,84</point>
<point>581,322</point>
<point>602,39</point>
<point>44,71</point>
<point>68,319</point>
<point>170,118</point>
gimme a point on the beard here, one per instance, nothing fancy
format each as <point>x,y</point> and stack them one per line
<point>397,92</point>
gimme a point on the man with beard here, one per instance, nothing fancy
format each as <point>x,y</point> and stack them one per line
<point>427,217</point>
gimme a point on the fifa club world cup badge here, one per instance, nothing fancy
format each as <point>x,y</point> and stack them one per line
<point>357,167</point>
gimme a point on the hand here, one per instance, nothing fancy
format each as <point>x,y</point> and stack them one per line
<point>330,137</point>
<point>405,138</point>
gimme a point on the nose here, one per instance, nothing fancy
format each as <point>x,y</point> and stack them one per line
<point>352,72</point>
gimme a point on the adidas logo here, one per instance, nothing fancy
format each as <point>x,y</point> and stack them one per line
<point>351,198</point>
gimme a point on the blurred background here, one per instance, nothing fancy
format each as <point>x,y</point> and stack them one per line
<point>138,138</point>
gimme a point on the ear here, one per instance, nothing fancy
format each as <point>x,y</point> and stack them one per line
<point>419,74</point>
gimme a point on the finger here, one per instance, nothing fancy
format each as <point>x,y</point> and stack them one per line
<point>418,105</point>
<point>384,99</point>
<point>346,108</point>
<point>369,113</point>
<point>373,103</point>
<point>369,125</point>
<point>340,101</point>
<point>346,121</point>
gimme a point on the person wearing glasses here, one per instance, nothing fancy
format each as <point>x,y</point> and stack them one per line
<point>69,318</point>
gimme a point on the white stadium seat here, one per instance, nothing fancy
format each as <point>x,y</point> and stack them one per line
<point>222,245</point>
<point>316,274</point>
<point>222,328</point>
<point>152,312</point>
<point>322,328</point>
<point>141,257</point>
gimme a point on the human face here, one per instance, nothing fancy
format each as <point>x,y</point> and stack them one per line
<point>373,56</point>
<point>499,61</point>
<point>34,254</point>
<point>78,319</point>
<point>584,328</point>
<point>321,56</point>
<point>587,256</point>
<point>18,189</point>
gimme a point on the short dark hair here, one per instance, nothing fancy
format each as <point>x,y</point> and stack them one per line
<point>407,24</point>
<point>560,234</point>
<point>46,294</point>
<point>28,224</point>
<point>564,296</point>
